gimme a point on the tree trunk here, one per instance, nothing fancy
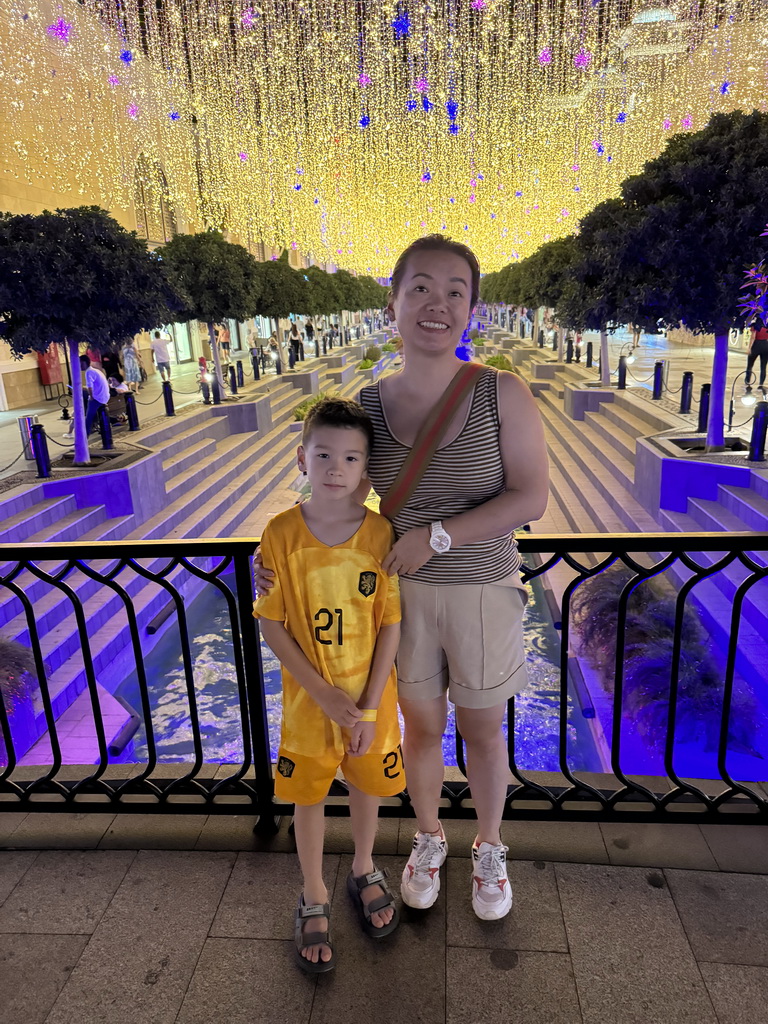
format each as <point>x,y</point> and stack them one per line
<point>82,454</point>
<point>605,362</point>
<point>561,331</point>
<point>216,357</point>
<point>715,431</point>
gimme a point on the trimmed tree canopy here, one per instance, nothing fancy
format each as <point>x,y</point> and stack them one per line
<point>76,275</point>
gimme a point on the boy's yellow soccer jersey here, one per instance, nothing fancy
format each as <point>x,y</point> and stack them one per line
<point>333,600</point>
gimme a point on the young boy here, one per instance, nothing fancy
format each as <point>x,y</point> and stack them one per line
<point>333,620</point>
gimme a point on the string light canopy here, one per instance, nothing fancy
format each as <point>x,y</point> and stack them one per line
<point>345,129</point>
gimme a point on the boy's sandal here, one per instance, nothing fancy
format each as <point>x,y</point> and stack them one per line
<point>304,939</point>
<point>355,887</point>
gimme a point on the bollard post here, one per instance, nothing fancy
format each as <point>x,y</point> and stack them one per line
<point>622,385</point>
<point>703,409</point>
<point>216,390</point>
<point>278,365</point>
<point>759,428</point>
<point>168,398</point>
<point>555,342</point>
<point>105,429</point>
<point>40,449</point>
<point>589,354</point>
<point>658,379</point>
<point>686,392</point>
<point>569,350</point>
<point>240,374</point>
<point>301,352</point>
<point>130,411</point>
<point>232,380</point>
<point>255,364</point>
<point>325,346</point>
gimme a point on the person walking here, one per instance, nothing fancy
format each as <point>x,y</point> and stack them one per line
<point>294,340</point>
<point>131,365</point>
<point>455,553</point>
<point>161,355</point>
<point>758,349</point>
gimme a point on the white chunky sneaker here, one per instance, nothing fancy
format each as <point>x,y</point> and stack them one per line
<point>420,883</point>
<point>491,891</point>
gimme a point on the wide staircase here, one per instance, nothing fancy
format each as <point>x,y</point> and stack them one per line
<point>213,480</point>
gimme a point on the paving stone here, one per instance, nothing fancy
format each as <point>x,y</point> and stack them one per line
<point>9,822</point>
<point>261,895</point>
<point>59,831</point>
<point>501,986</point>
<point>739,994</point>
<point>140,959</point>
<point>534,923</point>
<point>660,845</point>
<point>338,836</point>
<point>247,981</point>
<point>741,848</point>
<point>725,915</point>
<point>631,959</point>
<point>65,892</point>
<point>33,970</point>
<point>13,865</point>
<point>229,832</point>
<point>153,832</point>
<point>400,977</point>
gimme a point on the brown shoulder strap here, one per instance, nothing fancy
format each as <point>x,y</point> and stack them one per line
<point>428,438</point>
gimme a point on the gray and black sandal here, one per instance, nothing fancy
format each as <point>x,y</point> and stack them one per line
<point>355,887</point>
<point>304,939</point>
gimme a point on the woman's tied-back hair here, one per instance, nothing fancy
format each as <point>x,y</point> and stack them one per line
<point>438,243</point>
<point>337,412</point>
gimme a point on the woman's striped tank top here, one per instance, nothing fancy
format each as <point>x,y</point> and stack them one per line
<point>462,475</point>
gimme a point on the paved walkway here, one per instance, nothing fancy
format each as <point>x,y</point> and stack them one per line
<point>142,919</point>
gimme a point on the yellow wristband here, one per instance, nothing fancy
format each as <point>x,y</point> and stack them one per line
<point>368,715</point>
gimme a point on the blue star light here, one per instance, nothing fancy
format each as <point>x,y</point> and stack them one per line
<point>297,188</point>
<point>453,129</point>
<point>126,56</point>
<point>452,109</point>
<point>621,118</point>
<point>174,115</point>
<point>411,104</point>
<point>724,88</point>
<point>402,25</point>
<point>427,104</point>
<point>364,121</point>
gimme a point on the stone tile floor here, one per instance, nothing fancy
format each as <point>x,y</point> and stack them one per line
<point>138,918</point>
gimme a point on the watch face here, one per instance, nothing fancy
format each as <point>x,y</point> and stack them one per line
<point>440,542</point>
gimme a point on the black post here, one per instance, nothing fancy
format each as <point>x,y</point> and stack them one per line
<point>255,364</point>
<point>325,346</point>
<point>291,357</point>
<point>130,411</point>
<point>622,373</point>
<point>317,347</point>
<point>105,428</point>
<point>703,409</point>
<point>555,342</point>
<point>687,391</point>
<point>301,351</point>
<point>278,364</point>
<point>569,350</point>
<point>589,354</point>
<point>216,389</point>
<point>232,379</point>
<point>658,380</point>
<point>40,450</point>
<point>240,375</point>
<point>759,428</point>
<point>168,398</point>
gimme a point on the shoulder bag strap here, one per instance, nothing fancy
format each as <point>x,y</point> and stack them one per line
<point>428,438</point>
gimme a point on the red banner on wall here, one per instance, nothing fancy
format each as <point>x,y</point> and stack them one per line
<point>49,365</point>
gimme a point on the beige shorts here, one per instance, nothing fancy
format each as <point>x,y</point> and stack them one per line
<point>466,639</point>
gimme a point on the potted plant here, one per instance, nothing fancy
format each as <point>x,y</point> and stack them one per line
<point>18,680</point>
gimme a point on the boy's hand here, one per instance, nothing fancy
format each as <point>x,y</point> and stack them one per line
<point>339,707</point>
<point>361,738</point>
<point>262,578</point>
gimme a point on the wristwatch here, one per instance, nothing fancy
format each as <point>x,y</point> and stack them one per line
<point>439,540</point>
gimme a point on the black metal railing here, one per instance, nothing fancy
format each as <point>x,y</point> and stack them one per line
<point>650,703</point>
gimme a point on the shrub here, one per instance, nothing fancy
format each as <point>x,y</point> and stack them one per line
<point>373,353</point>
<point>389,347</point>
<point>366,364</point>
<point>500,363</point>
<point>301,410</point>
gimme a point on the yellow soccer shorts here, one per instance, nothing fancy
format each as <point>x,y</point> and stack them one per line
<point>306,780</point>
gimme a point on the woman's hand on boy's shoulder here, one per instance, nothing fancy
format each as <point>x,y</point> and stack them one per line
<point>262,578</point>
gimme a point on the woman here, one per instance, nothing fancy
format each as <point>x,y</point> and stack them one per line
<point>458,564</point>
<point>294,340</point>
<point>131,365</point>
<point>758,348</point>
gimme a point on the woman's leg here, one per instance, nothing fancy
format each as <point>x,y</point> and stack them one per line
<point>309,830</point>
<point>750,363</point>
<point>763,367</point>
<point>425,722</point>
<point>364,815</point>
<point>487,766</point>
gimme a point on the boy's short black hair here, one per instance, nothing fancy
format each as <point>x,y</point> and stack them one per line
<point>86,360</point>
<point>337,412</point>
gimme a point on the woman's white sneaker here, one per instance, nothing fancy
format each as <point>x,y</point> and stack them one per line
<point>420,883</point>
<point>491,891</point>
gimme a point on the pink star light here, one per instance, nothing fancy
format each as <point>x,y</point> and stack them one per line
<point>583,59</point>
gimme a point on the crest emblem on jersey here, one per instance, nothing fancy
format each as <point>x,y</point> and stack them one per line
<point>285,766</point>
<point>367,583</point>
